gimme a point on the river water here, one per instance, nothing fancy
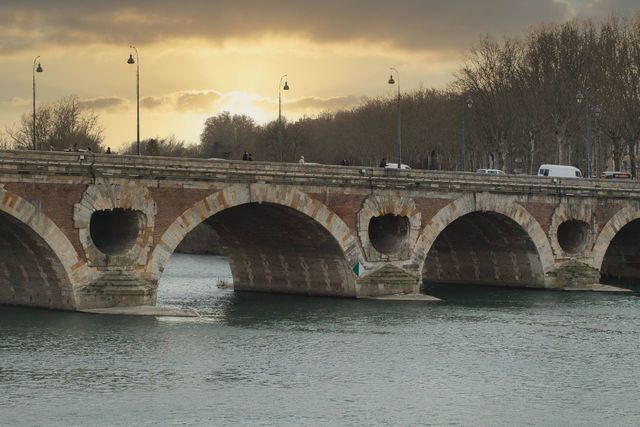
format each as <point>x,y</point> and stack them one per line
<point>485,357</point>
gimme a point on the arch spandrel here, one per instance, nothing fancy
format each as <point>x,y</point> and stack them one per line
<point>110,198</point>
<point>378,206</point>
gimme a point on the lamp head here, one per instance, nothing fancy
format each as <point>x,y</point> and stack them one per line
<point>596,112</point>
<point>286,86</point>
<point>579,97</point>
<point>39,68</point>
<point>469,102</point>
<point>391,81</point>
<point>131,60</point>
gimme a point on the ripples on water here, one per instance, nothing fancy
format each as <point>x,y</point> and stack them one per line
<point>484,357</point>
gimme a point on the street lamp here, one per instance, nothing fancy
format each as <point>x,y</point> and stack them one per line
<point>37,69</point>
<point>398,137</point>
<point>280,88</point>
<point>463,148</point>
<point>596,114</point>
<point>595,111</point>
<point>137,62</point>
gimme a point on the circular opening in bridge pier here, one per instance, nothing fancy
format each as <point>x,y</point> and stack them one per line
<point>115,231</point>
<point>572,235</point>
<point>387,233</point>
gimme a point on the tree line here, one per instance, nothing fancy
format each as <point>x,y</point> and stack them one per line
<point>567,93</point>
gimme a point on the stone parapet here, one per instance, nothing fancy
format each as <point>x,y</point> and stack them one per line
<point>90,168</point>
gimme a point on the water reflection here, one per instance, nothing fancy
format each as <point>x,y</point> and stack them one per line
<point>490,356</point>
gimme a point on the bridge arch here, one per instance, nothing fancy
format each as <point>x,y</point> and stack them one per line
<point>336,248</point>
<point>42,268</point>
<point>616,251</point>
<point>512,223</point>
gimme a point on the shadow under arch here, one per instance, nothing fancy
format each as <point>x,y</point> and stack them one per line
<point>277,239</point>
<point>616,252</point>
<point>484,239</point>
<point>39,266</point>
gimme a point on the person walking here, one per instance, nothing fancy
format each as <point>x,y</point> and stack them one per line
<point>245,156</point>
<point>301,161</point>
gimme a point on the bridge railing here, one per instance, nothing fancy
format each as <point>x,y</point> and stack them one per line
<point>93,165</point>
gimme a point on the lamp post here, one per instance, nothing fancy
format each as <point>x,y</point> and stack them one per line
<point>37,69</point>
<point>137,62</point>
<point>596,115</point>
<point>280,88</point>
<point>463,147</point>
<point>595,111</point>
<point>398,136</point>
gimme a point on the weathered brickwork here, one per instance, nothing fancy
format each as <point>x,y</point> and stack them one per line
<point>174,203</point>
<point>56,202</point>
<point>346,206</point>
<point>95,230</point>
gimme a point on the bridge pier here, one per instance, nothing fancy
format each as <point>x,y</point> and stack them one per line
<point>388,280</point>
<point>573,275</point>
<point>116,288</point>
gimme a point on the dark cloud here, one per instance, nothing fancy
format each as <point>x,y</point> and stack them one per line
<point>195,101</point>
<point>597,9</point>
<point>16,102</point>
<point>105,103</point>
<point>406,24</point>
<point>311,106</point>
<point>198,101</point>
<point>314,105</point>
<point>155,102</point>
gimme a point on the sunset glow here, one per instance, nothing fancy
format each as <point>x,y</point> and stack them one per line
<point>215,56</point>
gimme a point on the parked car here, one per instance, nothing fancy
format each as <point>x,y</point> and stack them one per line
<point>561,171</point>
<point>395,166</point>
<point>615,175</point>
<point>491,171</point>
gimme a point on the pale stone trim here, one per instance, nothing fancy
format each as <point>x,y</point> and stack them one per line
<point>484,202</point>
<point>33,217</point>
<point>380,205</point>
<point>127,195</point>
<point>572,210</point>
<point>239,194</point>
<point>623,217</point>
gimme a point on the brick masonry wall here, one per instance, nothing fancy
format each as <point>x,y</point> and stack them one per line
<point>54,182</point>
<point>56,201</point>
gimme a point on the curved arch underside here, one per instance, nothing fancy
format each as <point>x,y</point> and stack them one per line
<point>622,258</point>
<point>484,248</point>
<point>273,248</point>
<point>30,273</point>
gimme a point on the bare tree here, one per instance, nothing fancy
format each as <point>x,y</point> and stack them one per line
<point>59,125</point>
<point>168,147</point>
<point>227,136</point>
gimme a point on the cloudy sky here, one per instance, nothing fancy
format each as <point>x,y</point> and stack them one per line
<point>199,58</point>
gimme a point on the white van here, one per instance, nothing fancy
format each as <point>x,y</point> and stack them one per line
<point>561,171</point>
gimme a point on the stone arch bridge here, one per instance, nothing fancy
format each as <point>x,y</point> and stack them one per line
<point>82,230</point>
